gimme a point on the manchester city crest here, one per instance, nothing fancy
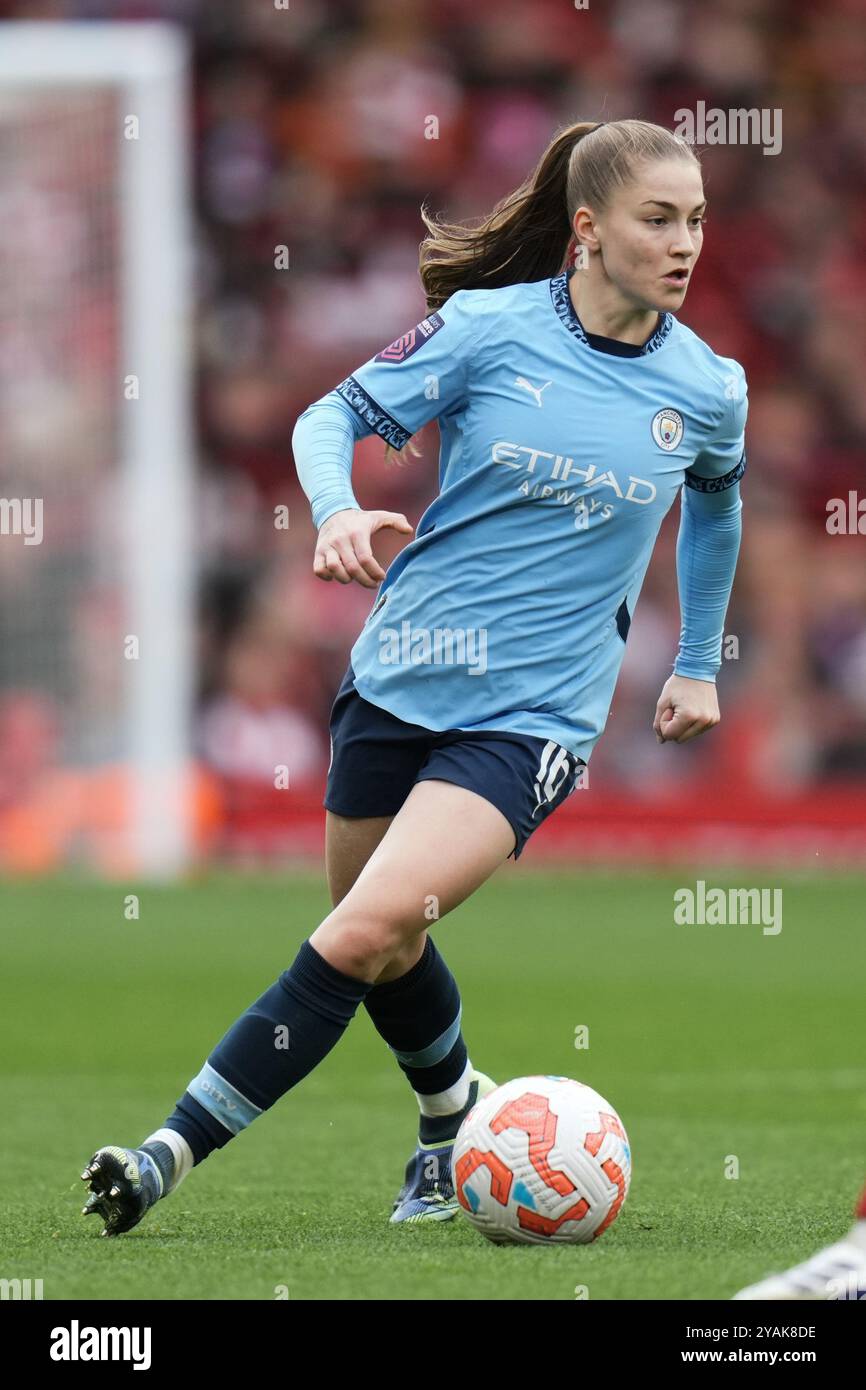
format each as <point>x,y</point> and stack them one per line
<point>667,429</point>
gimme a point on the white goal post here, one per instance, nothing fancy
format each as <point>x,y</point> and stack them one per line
<point>146,68</point>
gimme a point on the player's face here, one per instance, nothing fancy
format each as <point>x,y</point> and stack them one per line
<point>651,234</point>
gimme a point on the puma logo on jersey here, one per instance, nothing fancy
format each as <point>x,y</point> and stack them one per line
<point>533,390</point>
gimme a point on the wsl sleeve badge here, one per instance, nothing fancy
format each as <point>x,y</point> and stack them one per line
<point>667,429</point>
<point>404,346</point>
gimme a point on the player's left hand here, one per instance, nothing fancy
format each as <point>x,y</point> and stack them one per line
<point>686,708</point>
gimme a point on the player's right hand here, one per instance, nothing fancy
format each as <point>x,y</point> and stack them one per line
<point>344,551</point>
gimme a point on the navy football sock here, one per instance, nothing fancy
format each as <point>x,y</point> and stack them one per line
<point>271,1047</point>
<point>418,1015</point>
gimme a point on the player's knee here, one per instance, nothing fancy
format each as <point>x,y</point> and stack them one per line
<point>364,942</point>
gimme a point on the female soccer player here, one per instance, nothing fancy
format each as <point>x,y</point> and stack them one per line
<point>572,408</point>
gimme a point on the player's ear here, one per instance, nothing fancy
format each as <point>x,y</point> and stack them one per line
<point>584,229</point>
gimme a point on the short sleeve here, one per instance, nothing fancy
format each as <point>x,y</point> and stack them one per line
<point>419,376</point>
<point>721,462</point>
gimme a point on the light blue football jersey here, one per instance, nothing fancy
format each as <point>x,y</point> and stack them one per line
<point>510,607</point>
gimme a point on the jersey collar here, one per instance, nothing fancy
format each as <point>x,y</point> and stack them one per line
<point>565,309</point>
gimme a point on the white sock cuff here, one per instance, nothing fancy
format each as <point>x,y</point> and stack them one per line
<point>181,1153</point>
<point>450,1101</point>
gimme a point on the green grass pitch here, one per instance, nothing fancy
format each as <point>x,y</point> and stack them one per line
<point>711,1041</point>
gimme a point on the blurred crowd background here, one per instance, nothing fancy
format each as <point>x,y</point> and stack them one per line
<point>308,130</point>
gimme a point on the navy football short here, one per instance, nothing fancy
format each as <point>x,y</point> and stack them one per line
<point>376,759</point>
